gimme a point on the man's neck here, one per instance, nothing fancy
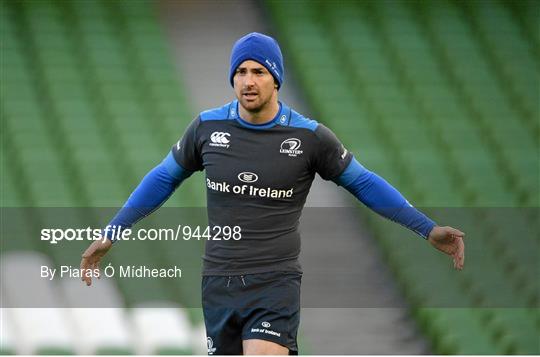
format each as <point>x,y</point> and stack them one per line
<point>263,116</point>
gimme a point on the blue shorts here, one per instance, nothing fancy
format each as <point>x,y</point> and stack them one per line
<point>262,306</point>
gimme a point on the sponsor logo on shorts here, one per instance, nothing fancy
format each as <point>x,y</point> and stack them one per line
<point>210,345</point>
<point>265,330</point>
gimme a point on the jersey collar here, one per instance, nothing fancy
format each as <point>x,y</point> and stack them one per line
<point>282,117</point>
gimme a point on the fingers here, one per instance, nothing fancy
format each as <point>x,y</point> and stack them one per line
<point>459,255</point>
<point>97,269</point>
<point>84,268</point>
<point>89,262</point>
<point>449,240</point>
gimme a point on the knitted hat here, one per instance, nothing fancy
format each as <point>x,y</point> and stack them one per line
<point>260,48</point>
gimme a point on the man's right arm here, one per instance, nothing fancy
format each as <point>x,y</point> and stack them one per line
<point>155,188</point>
<point>160,183</point>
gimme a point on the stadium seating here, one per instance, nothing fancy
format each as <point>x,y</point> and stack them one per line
<point>441,99</point>
<point>161,329</point>
<point>113,335</point>
<point>7,340</point>
<point>90,101</point>
<point>40,329</point>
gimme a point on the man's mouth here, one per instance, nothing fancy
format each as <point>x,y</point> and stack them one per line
<point>250,95</point>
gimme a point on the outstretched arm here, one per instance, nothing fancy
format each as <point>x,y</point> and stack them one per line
<point>383,198</point>
<point>155,188</point>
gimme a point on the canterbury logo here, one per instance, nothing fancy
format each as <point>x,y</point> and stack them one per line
<point>220,139</point>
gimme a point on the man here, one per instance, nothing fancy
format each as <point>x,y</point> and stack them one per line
<point>260,158</point>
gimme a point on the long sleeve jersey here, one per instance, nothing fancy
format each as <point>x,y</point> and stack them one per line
<point>258,178</point>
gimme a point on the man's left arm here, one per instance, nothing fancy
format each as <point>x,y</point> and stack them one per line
<point>334,162</point>
<point>377,194</point>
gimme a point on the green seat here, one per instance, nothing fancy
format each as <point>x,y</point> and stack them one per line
<point>463,333</point>
<point>52,40</point>
<point>16,76</point>
<point>49,56</point>
<point>11,196</point>
<point>449,85</point>
<point>62,73</point>
<point>520,330</point>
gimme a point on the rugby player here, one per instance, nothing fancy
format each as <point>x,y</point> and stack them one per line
<point>260,158</point>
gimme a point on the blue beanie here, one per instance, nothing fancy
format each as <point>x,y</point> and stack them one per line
<point>260,48</point>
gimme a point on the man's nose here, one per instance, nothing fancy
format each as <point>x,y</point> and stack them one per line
<point>248,80</point>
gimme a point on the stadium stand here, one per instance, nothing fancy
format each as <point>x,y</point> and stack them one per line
<point>162,330</point>
<point>440,98</point>
<point>7,342</point>
<point>40,330</point>
<point>112,336</point>
<point>90,101</point>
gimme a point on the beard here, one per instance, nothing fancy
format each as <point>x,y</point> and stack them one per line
<point>254,106</point>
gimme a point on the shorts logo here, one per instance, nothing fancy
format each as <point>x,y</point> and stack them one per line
<point>265,330</point>
<point>210,345</point>
<point>248,177</point>
<point>290,147</point>
<point>220,139</point>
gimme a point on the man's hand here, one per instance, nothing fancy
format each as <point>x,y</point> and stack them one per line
<point>450,241</point>
<point>92,257</point>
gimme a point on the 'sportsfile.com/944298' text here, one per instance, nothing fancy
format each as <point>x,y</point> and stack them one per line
<point>118,233</point>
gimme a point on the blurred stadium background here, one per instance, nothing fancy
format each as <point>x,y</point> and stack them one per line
<point>439,97</point>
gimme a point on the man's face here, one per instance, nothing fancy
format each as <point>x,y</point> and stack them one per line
<point>254,86</point>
